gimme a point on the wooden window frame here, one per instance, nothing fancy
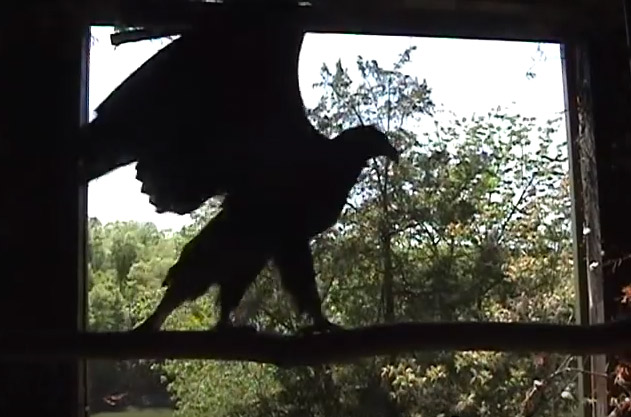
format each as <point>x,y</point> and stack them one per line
<point>565,25</point>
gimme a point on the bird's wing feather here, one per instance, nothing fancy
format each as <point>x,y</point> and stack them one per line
<point>206,114</point>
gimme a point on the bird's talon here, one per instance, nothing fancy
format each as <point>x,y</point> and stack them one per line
<point>325,327</point>
<point>229,328</point>
<point>144,328</point>
<point>246,329</point>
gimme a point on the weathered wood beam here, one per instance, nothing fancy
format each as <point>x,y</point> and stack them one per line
<point>512,20</point>
<point>335,347</point>
<point>572,81</point>
<point>591,222</point>
<point>44,85</point>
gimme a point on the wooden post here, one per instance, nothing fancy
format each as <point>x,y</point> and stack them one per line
<point>43,98</point>
<point>603,96</point>
<point>570,74</point>
<point>591,220</point>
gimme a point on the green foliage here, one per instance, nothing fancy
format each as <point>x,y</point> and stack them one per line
<point>106,303</point>
<point>472,224</point>
<point>127,262</point>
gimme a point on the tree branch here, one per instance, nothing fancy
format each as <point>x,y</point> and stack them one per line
<point>529,408</point>
<point>137,35</point>
<point>514,208</point>
<point>334,347</point>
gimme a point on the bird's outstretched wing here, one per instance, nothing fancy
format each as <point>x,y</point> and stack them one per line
<point>211,113</point>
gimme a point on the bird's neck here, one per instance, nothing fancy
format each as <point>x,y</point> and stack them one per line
<point>350,151</point>
<point>352,171</point>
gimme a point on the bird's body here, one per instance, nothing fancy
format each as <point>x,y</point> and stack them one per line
<point>306,183</point>
<point>249,231</point>
<point>199,127</point>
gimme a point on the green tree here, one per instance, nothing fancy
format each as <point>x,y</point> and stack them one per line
<point>127,262</point>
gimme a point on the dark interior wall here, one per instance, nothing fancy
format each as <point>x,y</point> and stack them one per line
<point>40,108</point>
<point>603,86</point>
<point>611,95</point>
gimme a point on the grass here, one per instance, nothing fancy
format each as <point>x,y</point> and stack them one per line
<point>130,412</point>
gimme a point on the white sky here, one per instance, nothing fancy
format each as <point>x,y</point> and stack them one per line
<point>465,76</point>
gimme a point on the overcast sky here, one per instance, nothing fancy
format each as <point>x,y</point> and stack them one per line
<point>465,76</point>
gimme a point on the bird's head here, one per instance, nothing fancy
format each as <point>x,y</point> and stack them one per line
<point>368,142</point>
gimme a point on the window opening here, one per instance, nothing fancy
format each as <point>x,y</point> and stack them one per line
<point>473,225</point>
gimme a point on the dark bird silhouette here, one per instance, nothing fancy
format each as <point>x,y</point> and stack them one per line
<point>199,125</point>
<point>276,221</point>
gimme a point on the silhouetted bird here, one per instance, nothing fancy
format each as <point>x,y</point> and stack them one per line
<point>219,112</point>
<point>275,221</point>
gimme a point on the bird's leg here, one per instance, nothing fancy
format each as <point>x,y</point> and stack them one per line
<point>154,322</point>
<point>320,325</point>
<point>313,309</point>
<point>150,325</point>
<point>225,325</point>
<point>295,263</point>
<point>229,299</point>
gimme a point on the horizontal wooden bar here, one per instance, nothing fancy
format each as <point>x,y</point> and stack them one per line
<point>335,347</point>
<point>514,20</point>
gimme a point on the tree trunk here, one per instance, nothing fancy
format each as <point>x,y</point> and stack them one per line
<point>385,238</point>
<point>388,278</point>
